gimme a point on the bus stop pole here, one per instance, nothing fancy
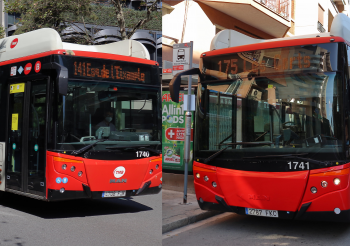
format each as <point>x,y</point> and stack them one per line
<point>188,119</point>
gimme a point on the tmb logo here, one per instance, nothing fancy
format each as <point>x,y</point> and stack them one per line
<point>119,172</point>
<point>14,43</point>
<point>27,68</point>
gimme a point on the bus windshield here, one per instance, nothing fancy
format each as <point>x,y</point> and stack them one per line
<point>116,113</point>
<point>286,101</point>
<point>279,115</point>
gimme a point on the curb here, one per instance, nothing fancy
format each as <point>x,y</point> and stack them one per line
<point>189,220</point>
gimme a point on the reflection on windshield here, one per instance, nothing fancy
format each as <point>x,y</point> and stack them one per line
<point>271,114</point>
<point>115,113</point>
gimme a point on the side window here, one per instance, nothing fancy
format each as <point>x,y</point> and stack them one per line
<point>347,116</point>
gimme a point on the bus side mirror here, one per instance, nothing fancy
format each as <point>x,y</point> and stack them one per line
<point>174,86</point>
<point>61,76</point>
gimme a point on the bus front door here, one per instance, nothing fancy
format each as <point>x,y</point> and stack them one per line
<point>25,167</point>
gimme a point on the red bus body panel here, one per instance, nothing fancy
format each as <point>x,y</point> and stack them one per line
<point>101,172</point>
<point>282,191</point>
<point>261,190</point>
<point>98,175</point>
<point>264,190</point>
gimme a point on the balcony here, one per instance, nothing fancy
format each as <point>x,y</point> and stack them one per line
<point>280,7</point>
<point>269,16</point>
<point>341,5</point>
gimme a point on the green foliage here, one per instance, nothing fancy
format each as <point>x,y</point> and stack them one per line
<point>104,15</point>
<point>38,14</point>
<point>2,31</point>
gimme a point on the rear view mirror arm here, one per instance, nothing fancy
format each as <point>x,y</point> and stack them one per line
<point>174,86</point>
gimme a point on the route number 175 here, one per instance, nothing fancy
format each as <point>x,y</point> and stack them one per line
<point>298,165</point>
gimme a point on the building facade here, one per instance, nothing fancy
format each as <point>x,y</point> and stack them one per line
<point>200,20</point>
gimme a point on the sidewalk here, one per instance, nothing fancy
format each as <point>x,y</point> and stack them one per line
<point>176,215</point>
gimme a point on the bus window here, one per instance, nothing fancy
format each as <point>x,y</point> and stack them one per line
<point>94,110</point>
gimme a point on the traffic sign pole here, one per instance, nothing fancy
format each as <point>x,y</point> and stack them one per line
<point>188,118</point>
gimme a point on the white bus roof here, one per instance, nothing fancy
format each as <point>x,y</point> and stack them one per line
<point>47,39</point>
<point>230,38</point>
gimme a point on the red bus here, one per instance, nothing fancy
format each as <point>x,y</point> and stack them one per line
<point>272,126</point>
<point>79,121</point>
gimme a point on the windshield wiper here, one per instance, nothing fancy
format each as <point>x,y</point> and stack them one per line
<point>230,145</point>
<point>215,155</point>
<point>226,138</point>
<point>82,150</point>
<point>248,143</point>
<point>142,147</point>
<point>269,156</point>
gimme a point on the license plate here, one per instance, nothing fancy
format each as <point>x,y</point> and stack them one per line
<point>261,212</point>
<point>114,193</point>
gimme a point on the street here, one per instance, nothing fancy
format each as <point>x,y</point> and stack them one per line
<point>26,221</point>
<point>233,229</point>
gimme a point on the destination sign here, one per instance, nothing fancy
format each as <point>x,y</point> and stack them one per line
<point>115,72</point>
<point>101,69</point>
<point>316,58</point>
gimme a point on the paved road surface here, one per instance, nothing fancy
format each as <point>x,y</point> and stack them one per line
<point>25,221</point>
<point>239,230</point>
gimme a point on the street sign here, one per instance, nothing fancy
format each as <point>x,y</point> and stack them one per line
<point>181,57</point>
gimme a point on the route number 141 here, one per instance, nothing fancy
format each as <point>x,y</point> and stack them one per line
<point>298,165</point>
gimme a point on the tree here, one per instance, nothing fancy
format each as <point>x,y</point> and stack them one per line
<point>38,14</point>
<point>121,20</point>
<point>59,14</point>
<point>105,15</point>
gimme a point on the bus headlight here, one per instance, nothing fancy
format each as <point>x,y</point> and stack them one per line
<point>206,178</point>
<point>64,166</point>
<point>314,190</point>
<point>198,175</point>
<point>72,168</point>
<point>336,181</point>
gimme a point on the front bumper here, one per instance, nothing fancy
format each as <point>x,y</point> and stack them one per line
<point>302,214</point>
<point>56,195</point>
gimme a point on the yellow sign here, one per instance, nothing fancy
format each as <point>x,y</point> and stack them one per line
<point>16,88</point>
<point>270,86</point>
<point>14,124</point>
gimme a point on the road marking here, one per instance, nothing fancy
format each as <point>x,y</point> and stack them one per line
<point>195,225</point>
